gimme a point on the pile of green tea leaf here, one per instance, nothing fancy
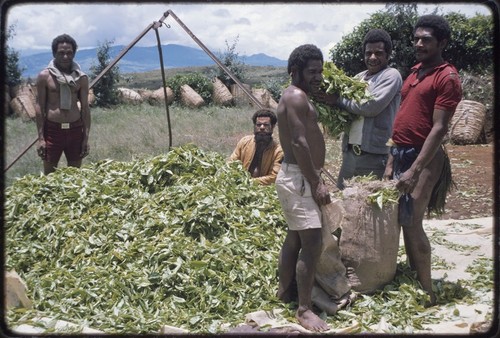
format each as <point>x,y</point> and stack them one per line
<point>335,81</point>
<point>183,239</point>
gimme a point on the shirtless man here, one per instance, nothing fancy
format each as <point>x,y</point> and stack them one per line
<point>62,125</point>
<point>300,189</point>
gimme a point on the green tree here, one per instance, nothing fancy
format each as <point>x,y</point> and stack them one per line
<point>231,59</point>
<point>13,71</point>
<point>105,91</point>
<point>471,45</point>
<point>200,83</point>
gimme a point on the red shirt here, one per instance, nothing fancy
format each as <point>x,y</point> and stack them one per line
<point>439,89</point>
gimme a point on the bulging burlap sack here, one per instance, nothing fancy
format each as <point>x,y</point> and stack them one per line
<point>331,290</point>
<point>190,97</point>
<point>91,97</point>
<point>221,94</point>
<point>158,96</point>
<point>271,103</point>
<point>262,95</point>
<point>467,123</point>
<point>24,102</point>
<point>129,96</point>
<point>239,96</point>
<point>330,271</point>
<point>369,241</point>
<point>23,107</point>
<point>15,291</point>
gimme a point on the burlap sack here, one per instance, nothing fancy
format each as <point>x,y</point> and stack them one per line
<point>369,241</point>
<point>271,103</point>
<point>15,291</point>
<point>190,98</point>
<point>23,107</point>
<point>157,97</point>
<point>239,96</point>
<point>221,94</point>
<point>467,123</point>
<point>262,95</point>
<point>91,97</point>
<point>129,96</point>
<point>330,271</point>
<point>24,101</point>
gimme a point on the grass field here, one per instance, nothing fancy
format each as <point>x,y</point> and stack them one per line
<point>129,132</point>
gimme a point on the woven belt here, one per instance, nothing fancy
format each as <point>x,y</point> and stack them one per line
<point>65,125</point>
<point>356,149</point>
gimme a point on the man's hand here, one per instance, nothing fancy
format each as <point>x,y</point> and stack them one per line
<point>85,149</point>
<point>322,97</point>
<point>320,194</point>
<point>388,172</point>
<point>407,181</point>
<point>41,149</point>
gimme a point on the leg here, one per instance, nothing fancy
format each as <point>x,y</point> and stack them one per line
<point>73,149</point>
<point>306,267</point>
<point>77,163</point>
<point>417,244</point>
<point>346,169</point>
<point>287,289</point>
<point>49,167</point>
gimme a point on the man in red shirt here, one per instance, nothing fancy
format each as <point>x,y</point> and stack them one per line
<point>418,160</point>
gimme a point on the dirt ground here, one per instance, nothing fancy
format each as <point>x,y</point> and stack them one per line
<point>473,174</point>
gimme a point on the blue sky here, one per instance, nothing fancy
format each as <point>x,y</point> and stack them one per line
<point>273,29</point>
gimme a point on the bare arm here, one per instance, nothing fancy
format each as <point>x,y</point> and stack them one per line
<point>382,92</point>
<point>409,179</point>
<point>297,120</point>
<point>41,110</point>
<point>299,112</point>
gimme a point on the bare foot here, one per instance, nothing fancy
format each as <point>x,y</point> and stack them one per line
<point>311,321</point>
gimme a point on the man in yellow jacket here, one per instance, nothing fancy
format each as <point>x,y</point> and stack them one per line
<point>259,153</point>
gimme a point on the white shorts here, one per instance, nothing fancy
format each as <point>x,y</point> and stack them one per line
<point>294,192</point>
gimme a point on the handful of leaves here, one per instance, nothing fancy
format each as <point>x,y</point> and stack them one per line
<point>334,119</point>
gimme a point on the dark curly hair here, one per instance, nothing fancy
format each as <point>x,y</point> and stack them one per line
<point>437,23</point>
<point>62,39</point>
<point>378,35</point>
<point>302,54</point>
<point>265,113</point>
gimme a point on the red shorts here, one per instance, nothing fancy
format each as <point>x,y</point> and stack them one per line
<point>61,137</point>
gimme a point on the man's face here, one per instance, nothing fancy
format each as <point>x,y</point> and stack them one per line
<point>64,55</point>
<point>263,130</point>
<point>376,57</point>
<point>427,47</point>
<point>312,76</point>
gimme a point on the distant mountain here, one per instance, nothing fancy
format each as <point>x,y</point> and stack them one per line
<point>143,59</point>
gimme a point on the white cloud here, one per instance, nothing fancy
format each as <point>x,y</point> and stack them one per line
<point>274,29</point>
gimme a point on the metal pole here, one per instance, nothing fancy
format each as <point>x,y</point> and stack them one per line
<point>235,79</point>
<point>125,50</point>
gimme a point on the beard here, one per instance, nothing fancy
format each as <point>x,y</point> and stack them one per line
<point>263,139</point>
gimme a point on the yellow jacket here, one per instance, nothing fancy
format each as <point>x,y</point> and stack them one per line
<point>271,159</point>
